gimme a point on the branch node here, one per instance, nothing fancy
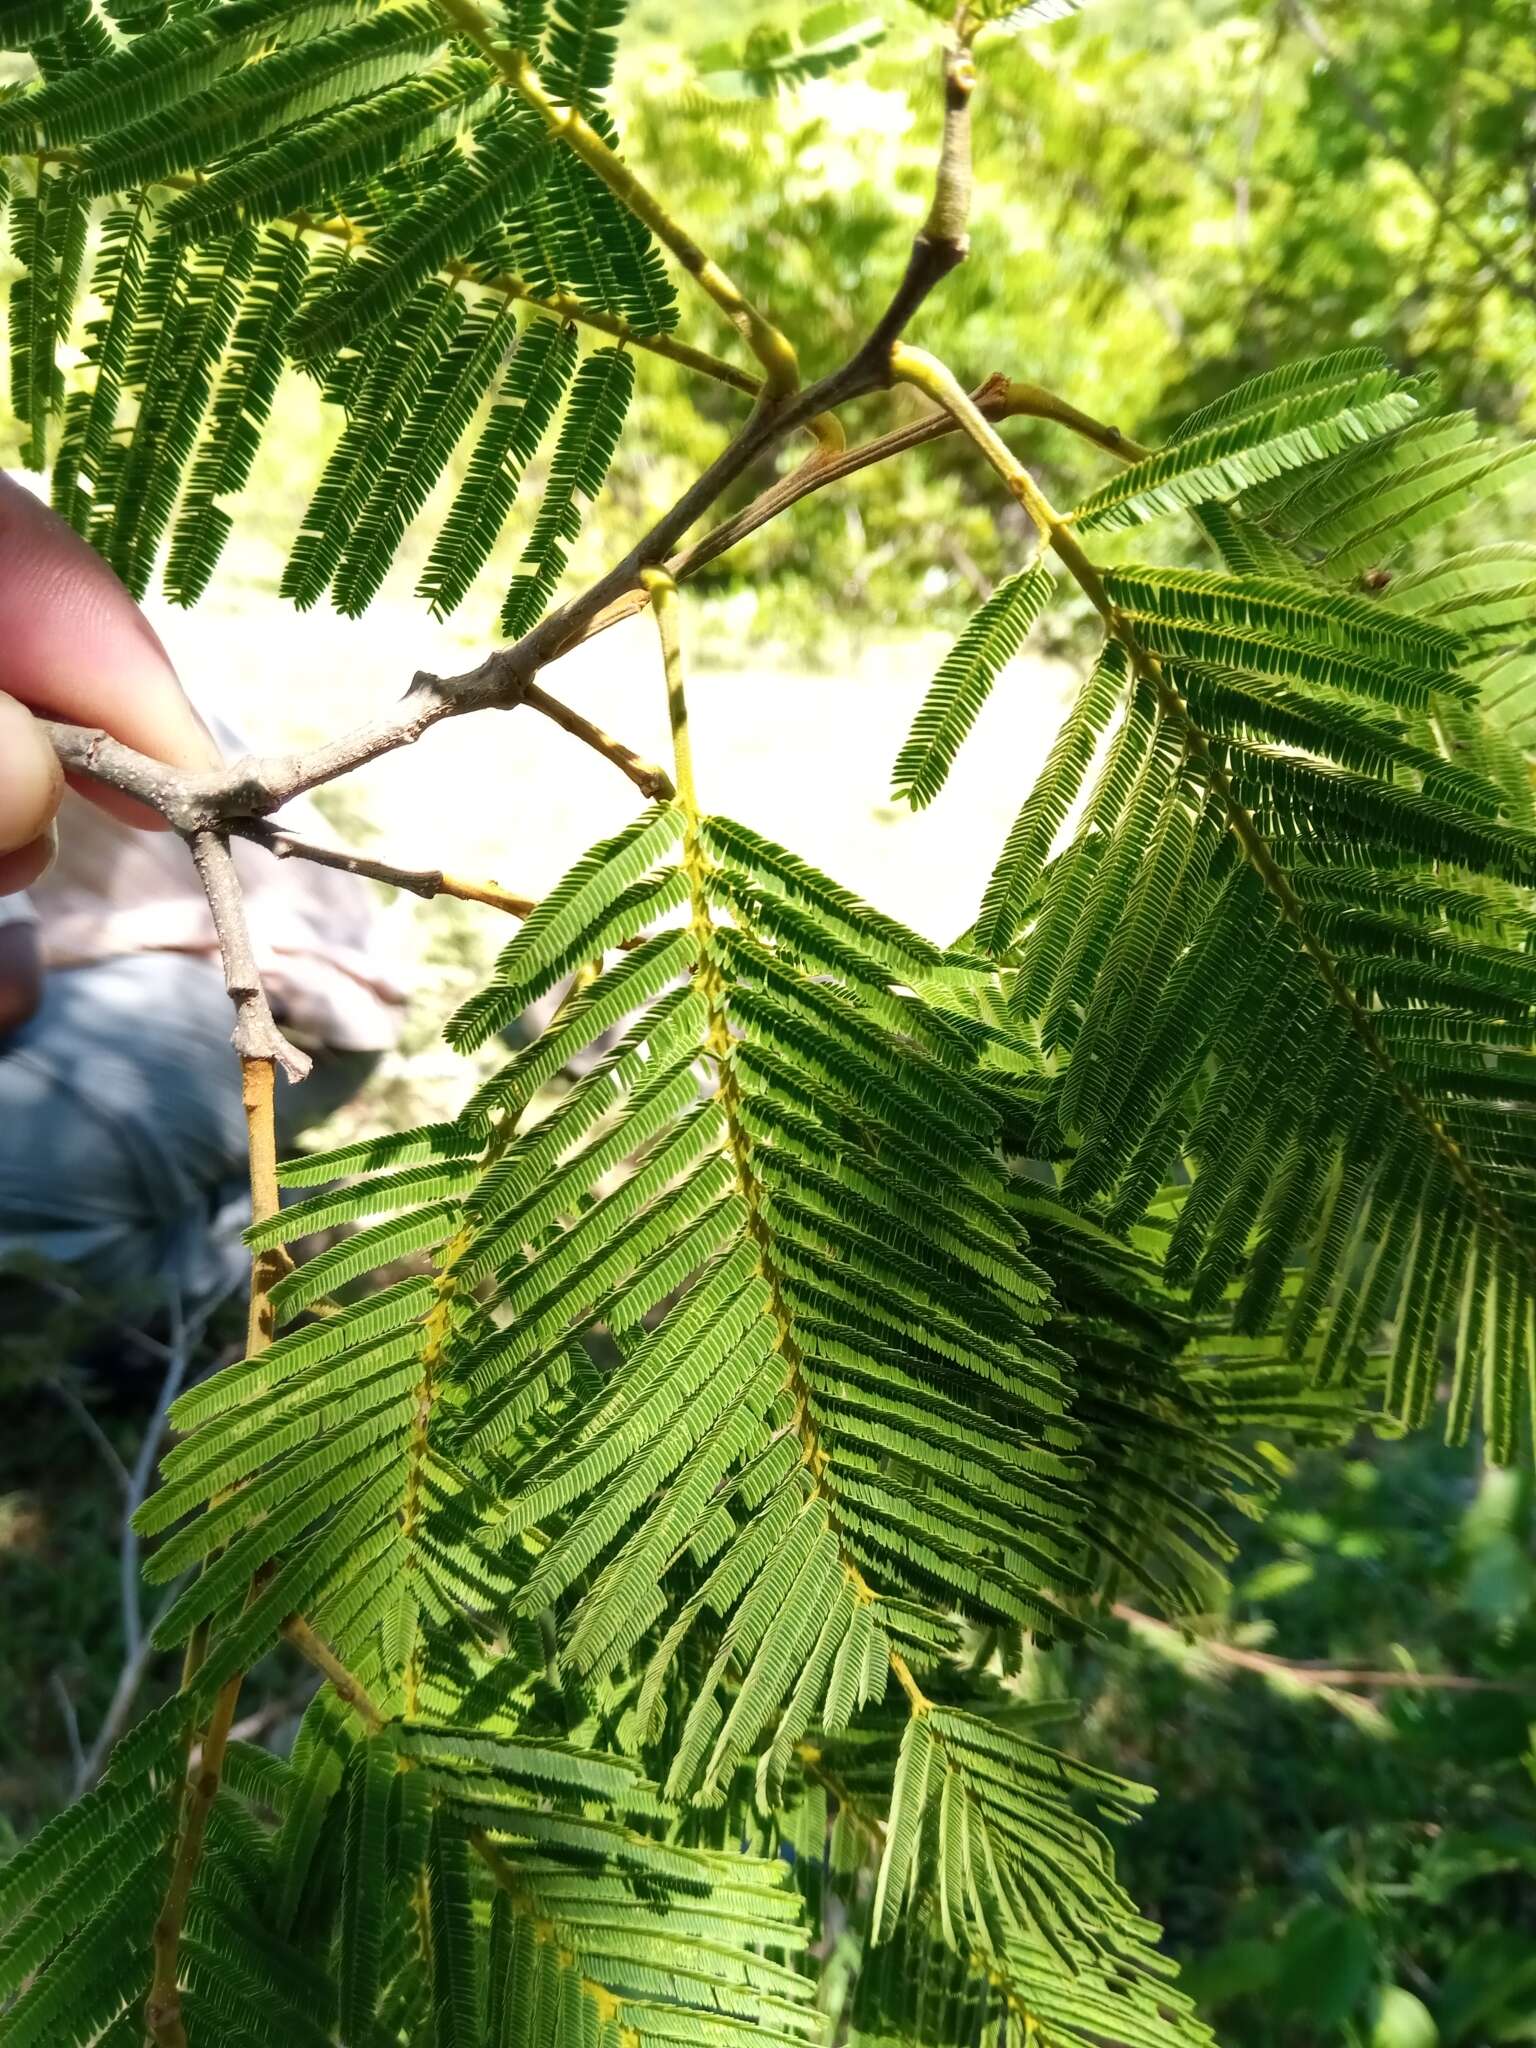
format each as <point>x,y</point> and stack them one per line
<point>255,1036</point>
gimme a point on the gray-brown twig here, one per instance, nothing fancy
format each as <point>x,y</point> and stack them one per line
<point>427,882</point>
<point>1313,1676</point>
<point>205,807</point>
<point>256,1036</point>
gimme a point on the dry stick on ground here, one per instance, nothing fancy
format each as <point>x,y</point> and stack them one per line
<point>143,1469</point>
<point>93,1429</point>
<point>138,1642</point>
<point>178,1360</point>
<point>132,1675</point>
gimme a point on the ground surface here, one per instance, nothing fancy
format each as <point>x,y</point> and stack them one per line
<point>805,758</point>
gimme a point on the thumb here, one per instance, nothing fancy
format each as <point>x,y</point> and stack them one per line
<point>30,788</point>
<point>75,646</point>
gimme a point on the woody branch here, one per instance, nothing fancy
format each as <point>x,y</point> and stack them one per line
<point>206,807</point>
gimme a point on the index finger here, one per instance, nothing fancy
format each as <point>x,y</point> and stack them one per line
<point>75,646</point>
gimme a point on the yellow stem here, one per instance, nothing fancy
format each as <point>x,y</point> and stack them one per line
<point>487,893</point>
<point>565,306</point>
<point>661,587</point>
<point>1034,401</point>
<point>917,1699</point>
<point>351,1691</point>
<point>772,349</point>
<point>435,1333</point>
<point>711,982</point>
<point>663,594</point>
<point>199,1789</point>
<point>258,1081</point>
<point>927,374</point>
<point>162,2008</point>
<point>649,779</point>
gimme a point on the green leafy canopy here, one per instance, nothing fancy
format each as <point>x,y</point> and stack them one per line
<point>342,189</point>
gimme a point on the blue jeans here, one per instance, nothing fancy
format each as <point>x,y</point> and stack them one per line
<point>122,1139</point>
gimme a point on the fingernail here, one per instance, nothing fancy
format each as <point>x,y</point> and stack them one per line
<point>51,834</point>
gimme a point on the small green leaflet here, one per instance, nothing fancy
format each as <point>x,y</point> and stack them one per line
<point>991,640</point>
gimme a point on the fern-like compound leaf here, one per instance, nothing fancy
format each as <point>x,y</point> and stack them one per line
<point>578,468</point>
<point>964,681</point>
<point>533,385</point>
<point>1295,894</point>
<point>393,157</point>
<point>1262,431</point>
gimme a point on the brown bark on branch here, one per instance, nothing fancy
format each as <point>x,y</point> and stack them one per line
<point>205,807</point>
<point>252,787</point>
<point>256,1036</point>
<point>427,882</point>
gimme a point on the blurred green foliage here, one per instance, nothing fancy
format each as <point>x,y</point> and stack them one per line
<point>1348,1860</point>
<point>1169,194</point>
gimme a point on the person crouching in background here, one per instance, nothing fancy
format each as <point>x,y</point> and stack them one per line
<point>122,1138</point>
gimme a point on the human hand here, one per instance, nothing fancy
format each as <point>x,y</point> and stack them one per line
<point>75,646</point>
